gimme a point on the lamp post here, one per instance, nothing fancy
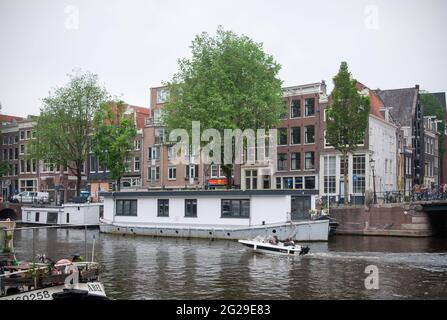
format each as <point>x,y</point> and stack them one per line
<point>371,164</point>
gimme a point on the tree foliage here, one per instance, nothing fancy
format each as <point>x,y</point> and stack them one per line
<point>347,117</point>
<point>4,168</point>
<point>432,107</point>
<point>228,83</point>
<point>113,138</point>
<point>64,126</point>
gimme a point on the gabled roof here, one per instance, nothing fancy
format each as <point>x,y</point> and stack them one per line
<point>9,119</point>
<point>375,101</point>
<point>402,103</point>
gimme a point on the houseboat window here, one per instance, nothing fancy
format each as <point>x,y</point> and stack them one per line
<point>191,208</point>
<point>126,207</point>
<point>235,208</point>
<point>37,216</point>
<point>163,207</point>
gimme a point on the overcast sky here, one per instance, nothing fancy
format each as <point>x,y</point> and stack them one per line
<point>135,45</point>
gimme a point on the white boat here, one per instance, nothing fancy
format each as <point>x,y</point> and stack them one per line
<point>264,246</point>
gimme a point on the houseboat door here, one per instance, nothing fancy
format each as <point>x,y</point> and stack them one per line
<point>300,208</point>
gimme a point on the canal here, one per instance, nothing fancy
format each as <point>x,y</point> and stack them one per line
<point>162,268</point>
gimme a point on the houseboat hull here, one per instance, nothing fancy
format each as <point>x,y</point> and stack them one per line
<point>312,230</point>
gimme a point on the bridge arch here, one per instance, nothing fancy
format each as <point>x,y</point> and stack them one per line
<point>8,213</point>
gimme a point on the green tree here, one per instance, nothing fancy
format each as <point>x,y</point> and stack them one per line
<point>432,107</point>
<point>113,138</point>
<point>65,125</point>
<point>228,83</point>
<point>347,117</point>
<point>4,168</point>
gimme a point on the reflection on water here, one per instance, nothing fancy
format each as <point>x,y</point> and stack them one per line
<point>161,268</point>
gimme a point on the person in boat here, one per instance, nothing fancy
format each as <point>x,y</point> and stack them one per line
<point>274,240</point>
<point>289,242</point>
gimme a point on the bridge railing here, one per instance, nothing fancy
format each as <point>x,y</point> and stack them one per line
<point>387,197</point>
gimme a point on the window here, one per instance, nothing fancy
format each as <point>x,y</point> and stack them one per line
<point>342,165</point>
<point>28,134</point>
<point>16,139</point>
<point>22,149</point>
<point>296,135</point>
<point>282,161</point>
<point>153,173</point>
<point>172,173</point>
<point>22,135</point>
<point>159,136</point>
<point>287,183</point>
<point>137,144</point>
<point>278,183</point>
<point>295,161</point>
<point>163,207</point>
<point>309,160</point>
<point>37,216</point>
<point>329,175</point>
<point>22,166</point>
<point>295,110</point>
<point>5,154</point>
<point>191,208</point>
<point>136,164</point>
<point>299,183</point>
<point>309,183</point>
<point>284,112</point>
<point>309,107</point>
<point>235,208</point>
<point>282,136</point>
<point>251,179</point>
<point>326,144</point>
<point>153,153</point>
<point>358,171</point>
<point>128,164</point>
<point>126,207</point>
<point>171,153</point>
<point>191,171</point>
<point>93,164</point>
<point>309,134</point>
<point>162,95</point>
<point>16,154</point>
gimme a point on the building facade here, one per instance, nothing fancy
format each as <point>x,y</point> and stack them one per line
<point>371,167</point>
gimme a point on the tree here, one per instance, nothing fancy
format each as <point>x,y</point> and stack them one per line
<point>432,107</point>
<point>113,138</point>
<point>347,118</point>
<point>228,83</point>
<point>64,127</point>
<point>4,168</point>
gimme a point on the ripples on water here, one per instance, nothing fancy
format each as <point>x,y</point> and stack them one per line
<point>161,268</point>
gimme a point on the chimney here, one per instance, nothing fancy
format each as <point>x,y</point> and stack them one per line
<point>417,87</point>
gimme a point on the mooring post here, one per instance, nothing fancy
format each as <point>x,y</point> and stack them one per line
<point>85,242</point>
<point>34,246</point>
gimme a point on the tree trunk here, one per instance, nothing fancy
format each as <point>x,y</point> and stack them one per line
<point>227,170</point>
<point>78,183</point>
<point>345,177</point>
<point>118,184</point>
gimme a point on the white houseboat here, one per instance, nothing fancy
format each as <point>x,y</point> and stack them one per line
<point>68,214</point>
<point>217,214</point>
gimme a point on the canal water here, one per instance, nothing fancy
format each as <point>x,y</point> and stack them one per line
<point>162,268</point>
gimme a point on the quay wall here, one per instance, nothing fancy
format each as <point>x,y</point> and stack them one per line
<point>388,220</point>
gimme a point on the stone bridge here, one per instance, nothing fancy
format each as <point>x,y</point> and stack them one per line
<point>12,211</point>
<point>416,219</point>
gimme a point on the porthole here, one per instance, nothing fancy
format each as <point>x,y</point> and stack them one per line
<point>274,231</point>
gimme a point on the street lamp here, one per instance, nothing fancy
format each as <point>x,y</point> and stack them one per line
<point>372,164</point>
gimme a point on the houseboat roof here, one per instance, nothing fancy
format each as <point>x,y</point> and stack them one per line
<point>210,193</point>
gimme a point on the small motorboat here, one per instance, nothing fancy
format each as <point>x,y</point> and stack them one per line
<point>284,248</point>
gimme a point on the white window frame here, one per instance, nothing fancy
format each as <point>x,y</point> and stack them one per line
<point>171,170</point>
